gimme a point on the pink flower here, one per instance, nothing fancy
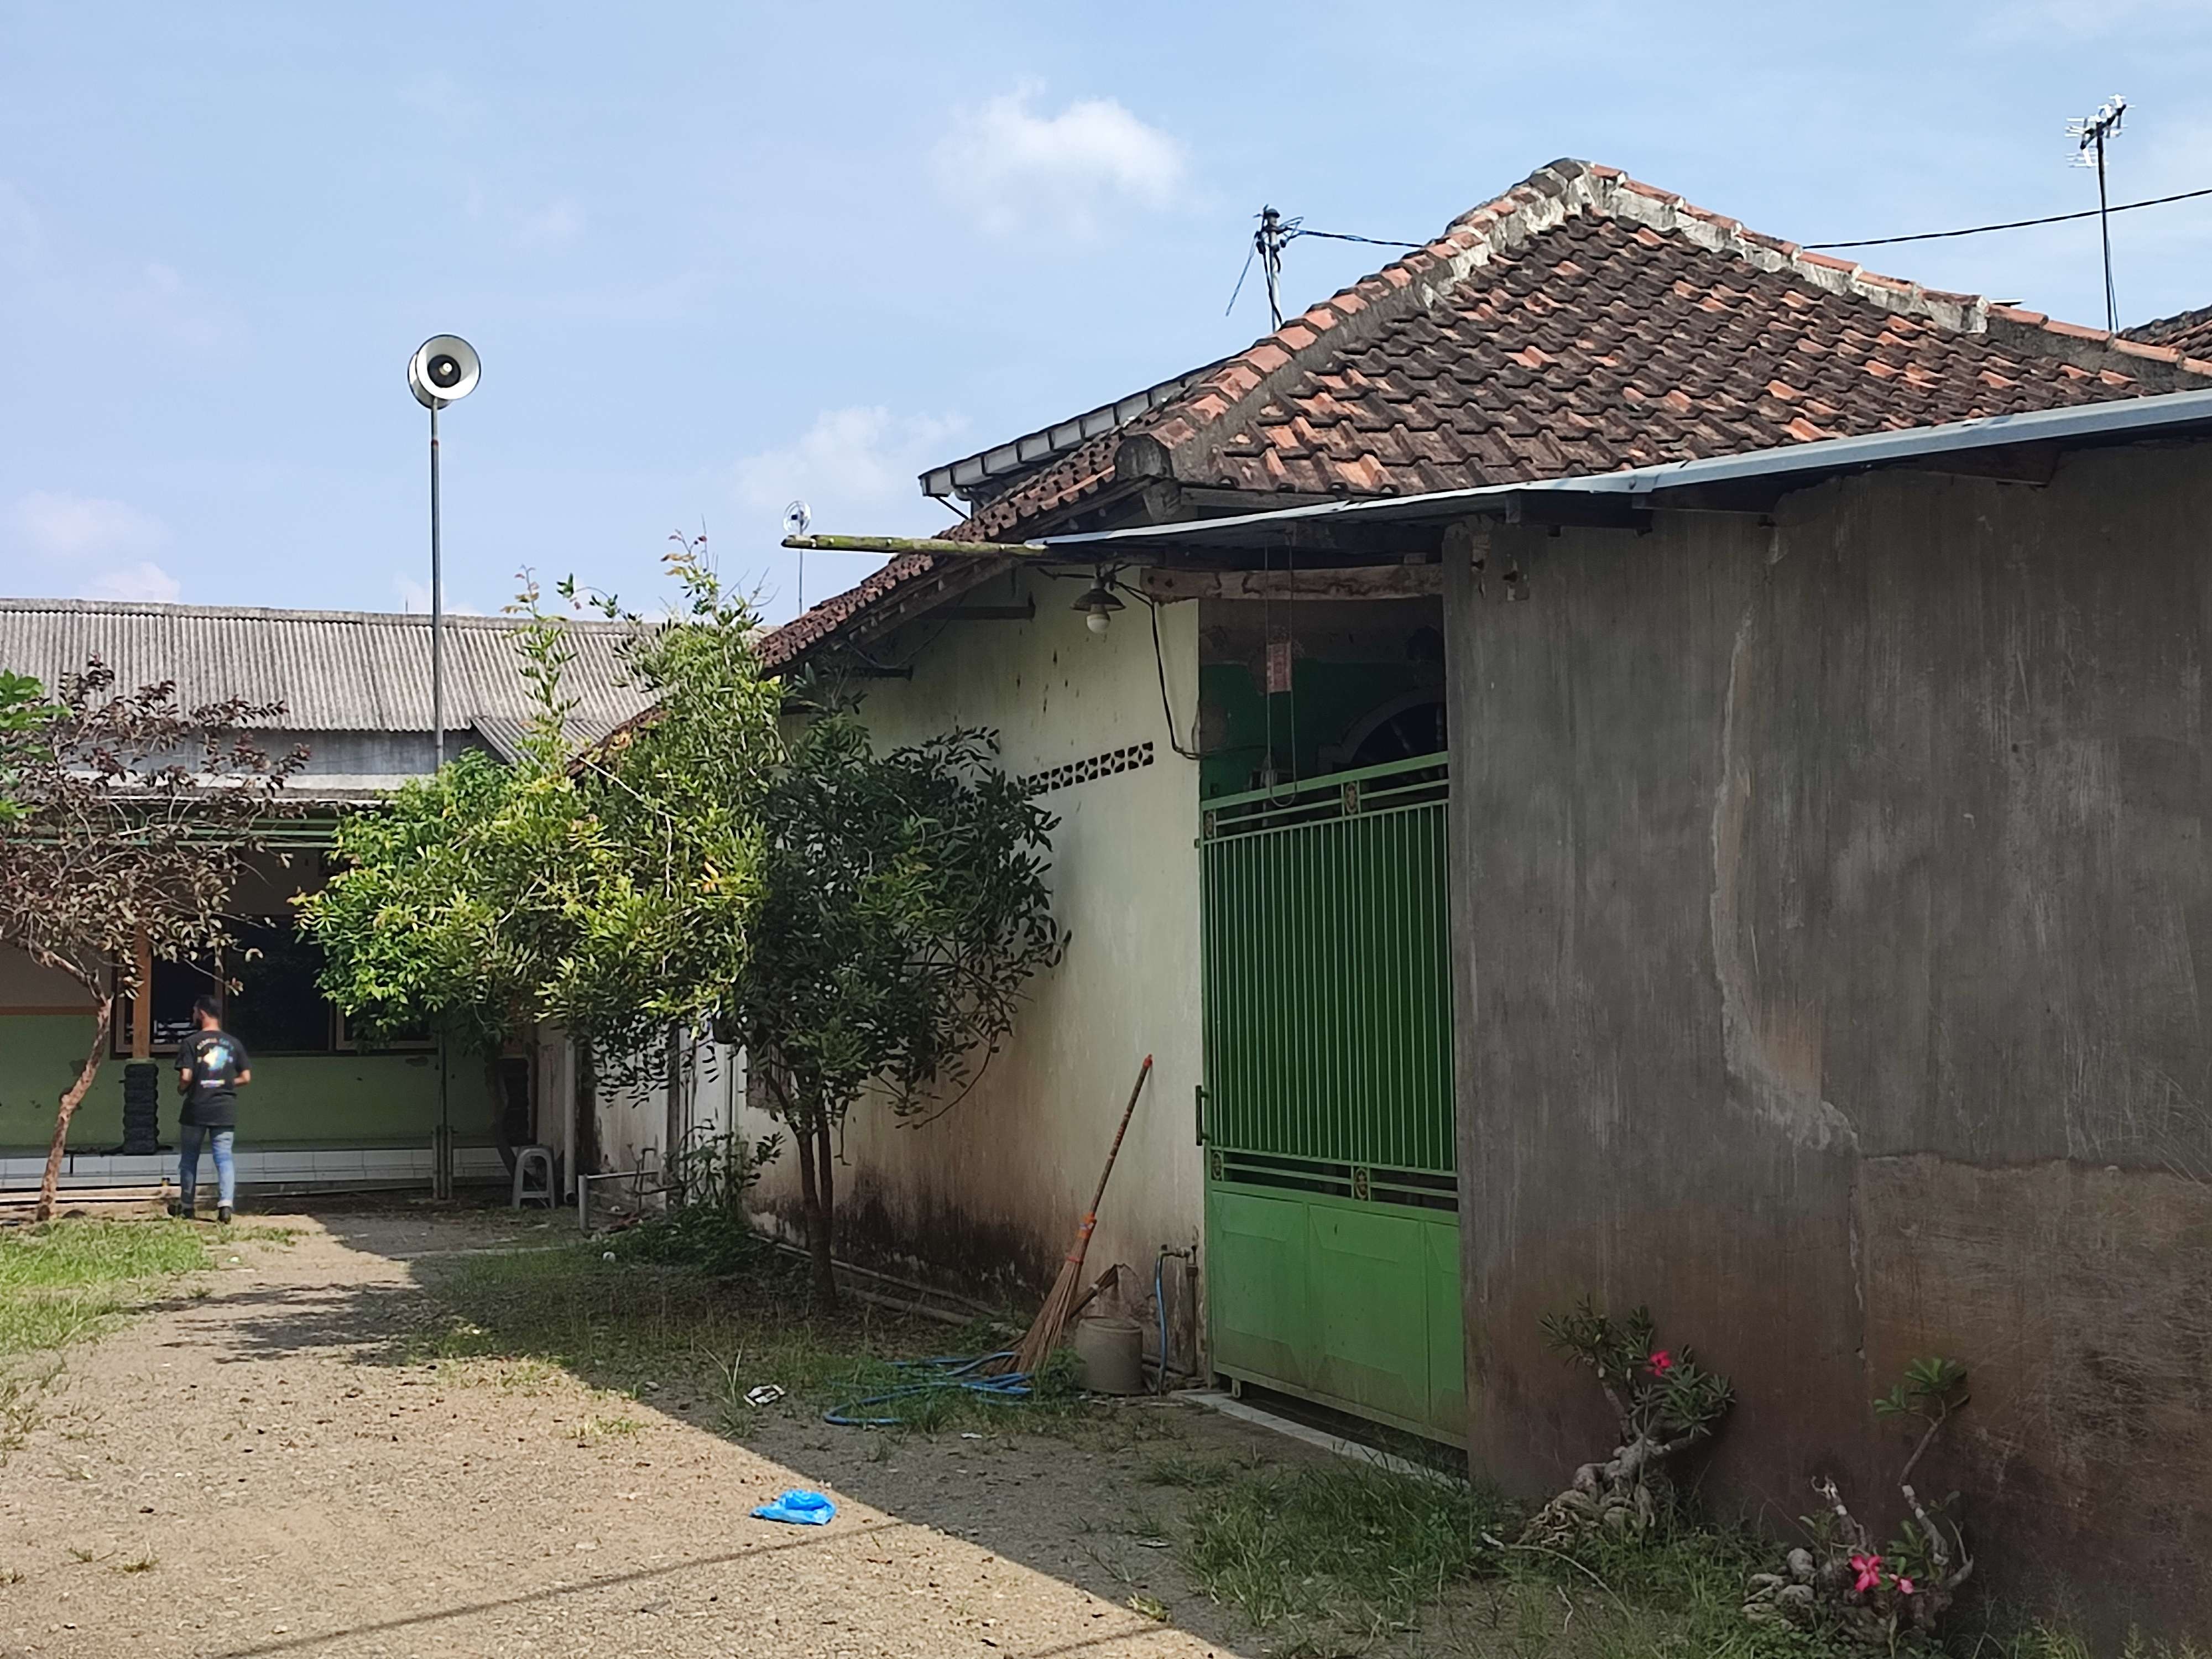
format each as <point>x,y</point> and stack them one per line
<point>1661,1363</point>
<point>1904,1585</point>
<point>1868,1568</point>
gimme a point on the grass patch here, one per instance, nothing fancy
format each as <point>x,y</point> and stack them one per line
<point>1340,1558</point>
<point>1337,1553</point>
<point>69,1280</point>
<point>661,1320</point>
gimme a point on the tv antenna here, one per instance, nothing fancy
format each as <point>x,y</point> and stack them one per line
<point>1275,234</point>
<point>1268,241</point>
<point>2089,135</point>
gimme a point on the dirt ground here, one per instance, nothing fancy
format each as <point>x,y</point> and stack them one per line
<point>245,1471</point>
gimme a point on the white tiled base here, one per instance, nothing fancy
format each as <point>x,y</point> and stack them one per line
<point>322,1166</point>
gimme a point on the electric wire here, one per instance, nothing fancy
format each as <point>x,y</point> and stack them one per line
<point>2010,224</point>
<point>1341,236</point>
<point>1160,663</point>
<point>1823,247</point>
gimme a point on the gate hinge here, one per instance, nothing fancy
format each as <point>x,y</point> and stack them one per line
<point>1198,1101</point>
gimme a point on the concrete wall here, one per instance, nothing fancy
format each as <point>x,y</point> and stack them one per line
<point>1829,898</point>
<point>995,1187</point>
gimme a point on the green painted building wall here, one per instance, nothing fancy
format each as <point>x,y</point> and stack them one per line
<point>293,1101</point>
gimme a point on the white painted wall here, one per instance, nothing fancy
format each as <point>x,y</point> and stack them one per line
<point>632,1120</point>
<point>1009,1169</point>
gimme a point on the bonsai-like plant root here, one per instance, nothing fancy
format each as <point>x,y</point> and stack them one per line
<point>1878,1596</point>
<point>1664,1403</point>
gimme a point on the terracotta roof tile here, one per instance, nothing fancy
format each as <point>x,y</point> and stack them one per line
<point>2187,331</point>
<point>1580,323</point>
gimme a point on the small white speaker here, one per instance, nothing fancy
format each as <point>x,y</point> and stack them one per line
<point>444,369</point>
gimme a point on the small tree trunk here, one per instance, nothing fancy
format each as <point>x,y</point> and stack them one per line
<point>825,1181</point>
<point>818,1199</point>
<point>70,1102</point>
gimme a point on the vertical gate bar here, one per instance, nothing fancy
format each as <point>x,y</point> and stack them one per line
<point>1328,963</point>
<point>1402,908</point>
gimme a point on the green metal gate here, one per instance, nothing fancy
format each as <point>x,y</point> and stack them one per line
<point>1332,1204</point>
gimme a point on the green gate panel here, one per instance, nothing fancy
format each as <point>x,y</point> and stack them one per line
<point>1259,1263</point>
<point>1371,1283</point>
<point>1332,1203</point>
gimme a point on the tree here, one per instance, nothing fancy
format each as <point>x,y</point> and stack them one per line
<point>21,697</point>
<point>904,909</point>
<point>678,792</point>
<point>462,901</point>
<point>130,817</point>
<point>609,894</point>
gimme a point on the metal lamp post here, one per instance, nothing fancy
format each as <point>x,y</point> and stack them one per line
<point>444,369</point>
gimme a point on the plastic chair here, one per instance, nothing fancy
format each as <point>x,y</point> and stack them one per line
<point>527,1158</point>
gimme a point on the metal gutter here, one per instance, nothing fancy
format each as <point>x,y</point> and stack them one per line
<point>2120,420</point>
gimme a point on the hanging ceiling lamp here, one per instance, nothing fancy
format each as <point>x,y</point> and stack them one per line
<point>1098,604</point>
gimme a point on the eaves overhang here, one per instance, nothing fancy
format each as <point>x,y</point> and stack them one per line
<point>1743,481</point>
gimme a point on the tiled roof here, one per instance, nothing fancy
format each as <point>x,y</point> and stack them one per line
<point>2187,331</point>
<point>1581,322</point>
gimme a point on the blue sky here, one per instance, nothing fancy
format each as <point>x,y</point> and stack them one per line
<point>719,257</point>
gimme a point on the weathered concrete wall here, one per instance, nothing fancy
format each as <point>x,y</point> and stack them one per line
<point>1828,902</point>
<point>632,1123</point>
<point>995,1186</point>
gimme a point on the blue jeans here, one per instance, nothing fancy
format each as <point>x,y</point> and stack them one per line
<point>188,1162</point>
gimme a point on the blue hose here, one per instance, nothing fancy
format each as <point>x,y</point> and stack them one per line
<point>945,1375</point>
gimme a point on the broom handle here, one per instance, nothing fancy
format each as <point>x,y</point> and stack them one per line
<point>1091,1215</point>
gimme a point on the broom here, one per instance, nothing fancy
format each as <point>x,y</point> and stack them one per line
<point>1060,1307</point>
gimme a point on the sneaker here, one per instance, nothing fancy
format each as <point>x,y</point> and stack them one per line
<point>182,1211</point>
<point>223,1215</point>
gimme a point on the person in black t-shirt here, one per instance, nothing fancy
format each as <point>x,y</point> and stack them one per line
<point>211,1068</point>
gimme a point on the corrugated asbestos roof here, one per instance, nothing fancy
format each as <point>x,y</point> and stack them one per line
<point>334,671</point>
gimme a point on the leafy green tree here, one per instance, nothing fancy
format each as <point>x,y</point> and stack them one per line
<point>678,793</point>
<point>130,816</point>
<point>20,700</point>
<point>904,909</point>
<point>610,895</point>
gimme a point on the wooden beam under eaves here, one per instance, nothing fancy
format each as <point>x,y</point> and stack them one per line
<point>1375,582</point>
<point>897,545</point>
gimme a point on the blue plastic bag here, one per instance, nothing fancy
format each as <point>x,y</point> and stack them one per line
<point>800,1508</point>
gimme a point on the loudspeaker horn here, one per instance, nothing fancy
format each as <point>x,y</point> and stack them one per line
<point>444,369</point>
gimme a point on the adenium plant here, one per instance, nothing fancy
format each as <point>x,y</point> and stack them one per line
<point>1879,1595</point>
<point>1664,1403</point>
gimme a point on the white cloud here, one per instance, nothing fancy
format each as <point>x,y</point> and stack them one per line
<point>52,529</point>
<point>144,580</point>
<point>1013,168</point>
<point>56,526</point>
<point>850,466</point>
